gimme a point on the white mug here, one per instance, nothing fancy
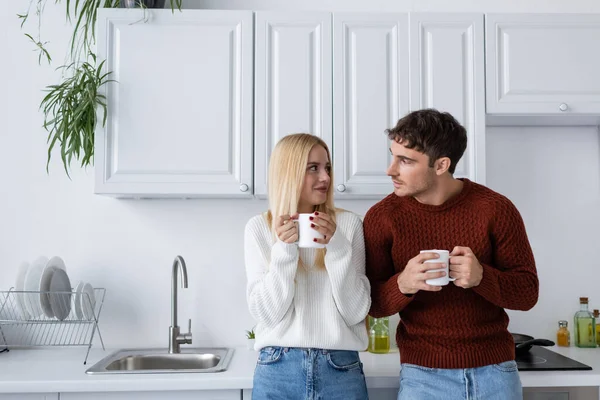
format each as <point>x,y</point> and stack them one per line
<point>443,259</point>
<point>306,234</point>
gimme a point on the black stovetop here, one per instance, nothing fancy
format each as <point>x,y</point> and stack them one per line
<point>542,359</point>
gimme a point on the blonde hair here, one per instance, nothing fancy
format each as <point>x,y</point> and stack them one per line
<point>287,169</point>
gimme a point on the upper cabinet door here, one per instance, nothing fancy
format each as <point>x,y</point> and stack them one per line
<point>370,69</point>
<point>180,112</point>
<point>447,73</point>
<point>292,82</point>
<point>543,64</point>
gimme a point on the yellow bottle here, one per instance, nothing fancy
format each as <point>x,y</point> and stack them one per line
<point>379,335</point>
<point>563,337</point>
<point>585,325</point>
<point>596,315</point>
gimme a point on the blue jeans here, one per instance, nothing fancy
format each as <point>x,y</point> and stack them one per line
<point>287,373</point>
<point>492,382</point>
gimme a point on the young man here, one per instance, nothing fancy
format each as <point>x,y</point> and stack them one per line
<point>453,340</point>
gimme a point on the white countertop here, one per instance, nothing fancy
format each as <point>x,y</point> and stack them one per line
<point>383,371</point>
<point>62,370</point>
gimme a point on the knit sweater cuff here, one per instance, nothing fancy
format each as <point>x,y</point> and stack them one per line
<point>338,242</point>
<point>338,249</point>
<point>488,287</point>
<point>399,299</point>
<point>392,300</point>
<point>284,253</point>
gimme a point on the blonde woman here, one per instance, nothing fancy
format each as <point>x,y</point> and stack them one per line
<point>309,304</point>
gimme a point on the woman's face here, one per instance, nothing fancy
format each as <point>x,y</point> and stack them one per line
<point>316,180</point>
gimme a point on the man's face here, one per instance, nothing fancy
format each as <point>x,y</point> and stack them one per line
<point>410,171</point>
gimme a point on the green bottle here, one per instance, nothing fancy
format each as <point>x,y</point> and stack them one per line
<point>585,325</point>
<point>379,335</point>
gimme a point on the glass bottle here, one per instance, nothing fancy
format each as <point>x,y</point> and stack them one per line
<point>585,325</point>
<point>379,335</point>
<point>596,315</point>
<point>563,337</point>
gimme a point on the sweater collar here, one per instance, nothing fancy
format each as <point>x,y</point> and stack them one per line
<point>457,199</point>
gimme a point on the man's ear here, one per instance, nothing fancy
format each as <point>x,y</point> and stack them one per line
<point>442,165</point>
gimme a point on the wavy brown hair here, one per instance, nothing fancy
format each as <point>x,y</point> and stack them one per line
<point>437,134</point>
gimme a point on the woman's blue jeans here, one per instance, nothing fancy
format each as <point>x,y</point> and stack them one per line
<point>308,374</point>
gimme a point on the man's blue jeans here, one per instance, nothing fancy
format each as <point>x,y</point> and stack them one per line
<point>286,373</point>
<point>492,382</point>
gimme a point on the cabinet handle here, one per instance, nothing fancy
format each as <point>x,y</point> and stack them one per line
<point>341,188</point>
<point>563,107</point>
<point>244,187</point>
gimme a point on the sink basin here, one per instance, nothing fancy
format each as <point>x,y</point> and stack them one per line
<point>155,361</point>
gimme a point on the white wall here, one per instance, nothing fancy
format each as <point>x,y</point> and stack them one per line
<point>553,177</point>
<point>128,246</point>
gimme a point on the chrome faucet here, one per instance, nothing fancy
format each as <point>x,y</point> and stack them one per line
<point>175,338</point>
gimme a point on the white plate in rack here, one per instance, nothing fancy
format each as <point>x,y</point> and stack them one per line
<point>20,286</point>
<point>60,294</point>
<point>78,309</point>
<point>88,301</point>
<point>54,264</point>
<point>33,281</point>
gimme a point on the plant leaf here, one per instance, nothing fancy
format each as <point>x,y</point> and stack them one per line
<point>23,17</point>
<point>72,110</point>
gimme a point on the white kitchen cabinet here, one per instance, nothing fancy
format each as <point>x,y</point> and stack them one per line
<point>448,73</point>
<point>233,394</point>
<point>191,85</point>
<point>542,64</point>
<point>180,112</point>
<point>28,396</point>
<point>292,82</point>
<point>371,92</point>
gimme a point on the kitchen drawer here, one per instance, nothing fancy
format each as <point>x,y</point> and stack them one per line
<point>561,393</point>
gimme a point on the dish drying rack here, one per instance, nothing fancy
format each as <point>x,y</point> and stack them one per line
<point>19,329</point>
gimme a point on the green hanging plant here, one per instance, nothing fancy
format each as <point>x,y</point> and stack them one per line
<point>70,110</point>
<point>71,107</point>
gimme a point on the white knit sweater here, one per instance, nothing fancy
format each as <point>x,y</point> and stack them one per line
<point>308,306</point>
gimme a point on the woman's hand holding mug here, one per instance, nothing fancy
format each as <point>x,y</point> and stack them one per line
<point>286,229</point>
<point>323,223</point>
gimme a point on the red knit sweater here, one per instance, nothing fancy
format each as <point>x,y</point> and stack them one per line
<point>455,327</point>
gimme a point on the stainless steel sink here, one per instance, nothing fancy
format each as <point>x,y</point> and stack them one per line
<point>155,361</point>
<point>175,358</point>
